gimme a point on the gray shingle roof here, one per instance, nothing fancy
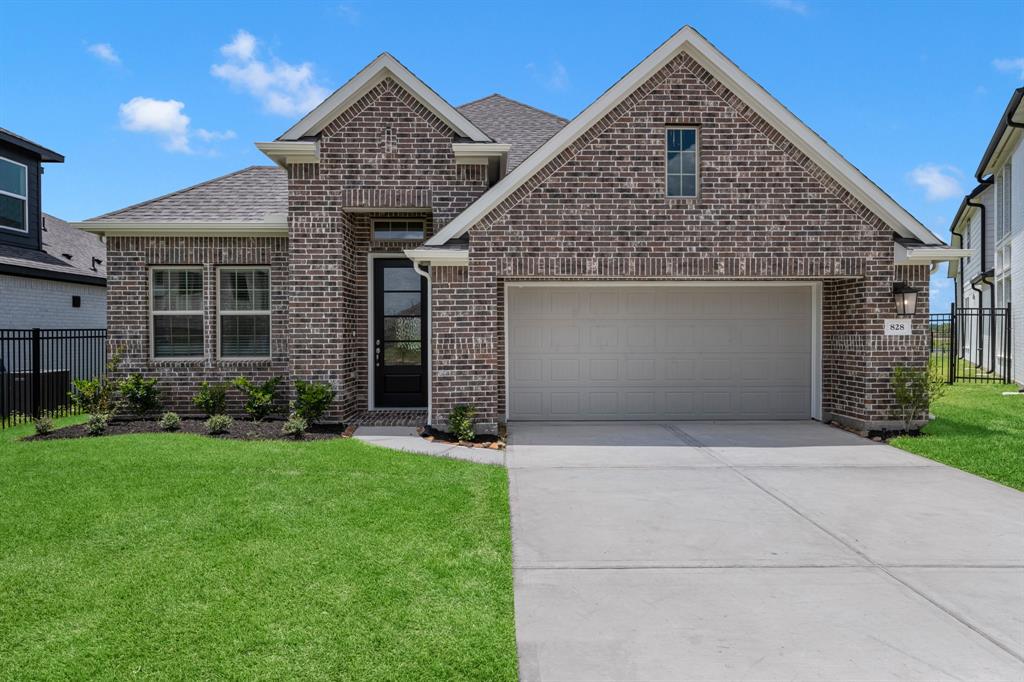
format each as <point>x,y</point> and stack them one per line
<point>245,196</point>
<point>520,125</point>
<point>88,253</point>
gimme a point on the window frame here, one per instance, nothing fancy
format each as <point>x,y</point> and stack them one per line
<point>269,313</point>
<point>420,221</point>
<point>17,196</point>
<point>696,161</point>
<point>153,312</point>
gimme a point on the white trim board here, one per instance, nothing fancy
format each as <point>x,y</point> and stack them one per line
<point>757,98</point>
<point>817,316</point>
<point>380,68</point>
<point>273,226</point>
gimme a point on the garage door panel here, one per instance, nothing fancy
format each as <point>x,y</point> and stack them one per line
<point>660,353</point>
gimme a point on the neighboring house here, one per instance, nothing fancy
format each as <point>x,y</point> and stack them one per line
<point>52,275</point>
<point>990,226</point>
<point>684,248</point>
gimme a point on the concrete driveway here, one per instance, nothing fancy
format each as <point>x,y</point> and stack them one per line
<point>757,551</point>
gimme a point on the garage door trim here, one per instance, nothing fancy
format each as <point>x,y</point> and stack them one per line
<point>816,318</point>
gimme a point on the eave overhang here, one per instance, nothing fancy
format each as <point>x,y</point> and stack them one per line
<point>273,226</point>
<point>284,153</point>
<point>476,153</point>
<point>438,257</point>
<point>926,254</point>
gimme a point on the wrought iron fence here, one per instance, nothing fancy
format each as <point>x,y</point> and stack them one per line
<point>38,366</point>
<point>972,345</point>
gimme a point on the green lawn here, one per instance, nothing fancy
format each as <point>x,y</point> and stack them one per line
<point>183,557</point>
<point>976,429</point>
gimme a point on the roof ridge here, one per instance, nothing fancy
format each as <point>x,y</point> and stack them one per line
<point>178,191</point>
<point>515,101</point>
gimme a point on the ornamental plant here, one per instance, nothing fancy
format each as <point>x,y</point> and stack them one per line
<point>139,396</point>
<point>915,390</point>
<point>460,422</point>
<point>295,427</point>
<point>312,399</point>
<point>211,399</point>
<point>218,423</point>
<point>44,424</point>
<point>97,396</point>
<point>97,424</point>
<point>170,421</point>
<point>259,398</point>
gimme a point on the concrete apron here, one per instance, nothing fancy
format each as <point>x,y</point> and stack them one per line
<point>757,550</point>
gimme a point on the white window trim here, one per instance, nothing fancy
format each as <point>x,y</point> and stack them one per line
<point>696,161</point>
<point>269,312</point>
<point>153,313</point>
<point>422,223</point>
<point>17,196</point>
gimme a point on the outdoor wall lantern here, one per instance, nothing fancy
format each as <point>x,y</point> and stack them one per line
<point>906,299</point>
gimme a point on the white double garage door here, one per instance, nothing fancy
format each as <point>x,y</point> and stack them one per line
<point>599,352</point>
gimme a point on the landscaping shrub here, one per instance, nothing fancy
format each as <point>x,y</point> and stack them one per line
<point>312,399</point>
<point>295,426</point>
<point>914,390</point>
<point>97,424</point>
<point>460,422</point>
<point>139,395</point>
<point>97,396</point>
<point>219,423</point>
<point>211,399</point>
<point>170,422</point>
<point>259,397</point>
<point>44,424</point>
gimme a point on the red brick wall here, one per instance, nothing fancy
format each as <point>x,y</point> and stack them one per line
<point>599,211</point>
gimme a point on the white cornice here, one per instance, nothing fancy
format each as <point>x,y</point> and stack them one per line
<point>276,226</point>
<point>283,153</point>
<point>439,257</point>
<point>757,98</point>
<point>380,68</point>
<point>926,255</point>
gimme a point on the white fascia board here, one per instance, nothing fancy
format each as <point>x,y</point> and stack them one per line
<point>1003,150</point>
<point>926,255</point>
<point>283,153</point>
<point>273,226</point>
<point>380,68</point>
<point>480,148</point>
<point>687,39</point>
<point>438,256</point>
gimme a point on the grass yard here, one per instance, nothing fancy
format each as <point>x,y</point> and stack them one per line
<point>175,556</point>
<point>976,429</point>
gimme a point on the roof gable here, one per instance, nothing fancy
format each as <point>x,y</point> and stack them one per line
<point>382,67</point>
<point>753,95</point>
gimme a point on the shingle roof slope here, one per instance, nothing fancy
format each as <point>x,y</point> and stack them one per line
<point>245,196</point>
<point>520,125</point>
<point>61,240</point>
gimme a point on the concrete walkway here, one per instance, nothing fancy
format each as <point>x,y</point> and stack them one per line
<point>757,551</point>
<point>408,439</point>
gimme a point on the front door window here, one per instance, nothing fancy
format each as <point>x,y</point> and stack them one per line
<point>400,340</point>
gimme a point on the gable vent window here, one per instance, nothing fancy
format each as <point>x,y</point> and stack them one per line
<point>13,195</point>
<point>681,162</point>
<point>244,313</point>
<point>177,305</point>
<point>397,230</point>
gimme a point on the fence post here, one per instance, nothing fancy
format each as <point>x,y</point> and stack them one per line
<point>1007,349</point>
<point>953,352</point>
<point>37,376</point>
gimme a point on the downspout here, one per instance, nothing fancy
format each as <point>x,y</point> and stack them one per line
<point>425,274</point>
<point>981,296</point>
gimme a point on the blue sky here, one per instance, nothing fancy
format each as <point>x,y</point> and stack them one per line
<point>145,98</point>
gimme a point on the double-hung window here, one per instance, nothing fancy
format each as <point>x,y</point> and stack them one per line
<point>13,195</point>
<point>177,307</point>
<point>681,162</point>
<point>244,312</point>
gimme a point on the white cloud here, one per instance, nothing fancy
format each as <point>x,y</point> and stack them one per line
<point>939,182</point>
<point>556,78</point>
<point>166,119</point>
<point>1012,65</point>
<point>105,52</point>
<point>794,6</point>
<point>283,88</point>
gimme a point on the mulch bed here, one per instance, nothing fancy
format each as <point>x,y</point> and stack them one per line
<point>481,441</point>
<point>269,429</point>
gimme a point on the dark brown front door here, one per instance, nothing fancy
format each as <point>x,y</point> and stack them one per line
<point>400,334</point>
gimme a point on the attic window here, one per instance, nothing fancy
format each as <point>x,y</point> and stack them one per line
<point>681,165</point>
<point>13,195</point>
<point>398,230</point>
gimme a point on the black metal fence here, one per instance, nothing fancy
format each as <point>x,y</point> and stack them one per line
<point>972,345</point>
<point>38,366</point>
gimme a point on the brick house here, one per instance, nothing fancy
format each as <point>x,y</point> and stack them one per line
<point>684,248</point>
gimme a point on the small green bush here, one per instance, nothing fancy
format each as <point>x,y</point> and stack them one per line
<point>460,422</point>
<point>915,390</point>
<point>97,396</point>
<point>97,424</point>
<point>218,423</point>
<point>139,395</point>
<point>295,427</point>
<point>211,399</point>
<point>44,424</point>
<point>312,399</point>
<point>170,421</point>
<point>259,401</point>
